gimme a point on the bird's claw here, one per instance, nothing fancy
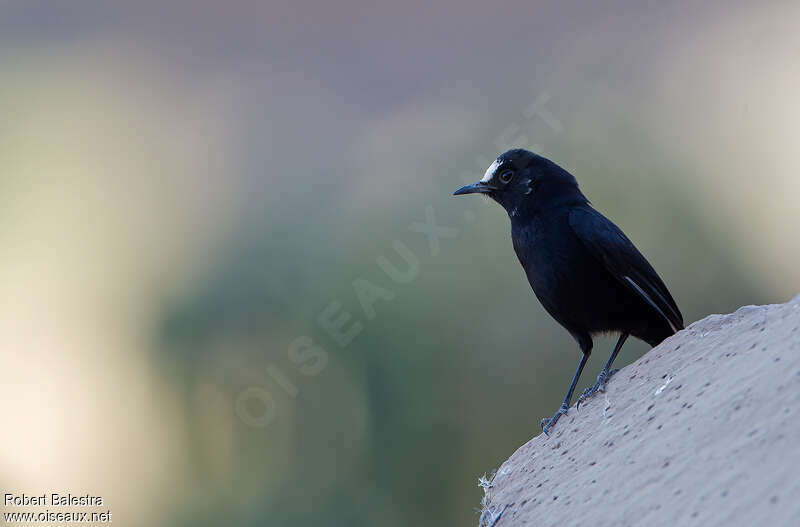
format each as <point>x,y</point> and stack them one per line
<point>547,424</point>
<point>599,386</point>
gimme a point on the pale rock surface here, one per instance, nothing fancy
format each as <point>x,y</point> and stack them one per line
<point>702,430</point>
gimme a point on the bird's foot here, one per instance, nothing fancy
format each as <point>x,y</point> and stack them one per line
<point>599,386</point>
<point>547,424</point>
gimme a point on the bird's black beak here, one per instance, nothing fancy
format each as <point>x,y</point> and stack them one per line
<point>476,188</point>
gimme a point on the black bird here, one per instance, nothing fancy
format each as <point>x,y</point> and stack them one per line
<point>583,269</point>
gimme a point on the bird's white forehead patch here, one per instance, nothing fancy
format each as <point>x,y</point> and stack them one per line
<point>490,171</point>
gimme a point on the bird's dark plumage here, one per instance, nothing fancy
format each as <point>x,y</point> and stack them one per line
<point>583,269</point>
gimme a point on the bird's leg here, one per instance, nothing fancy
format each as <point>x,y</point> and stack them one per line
<point>606,374</point>
<point>546,424</point>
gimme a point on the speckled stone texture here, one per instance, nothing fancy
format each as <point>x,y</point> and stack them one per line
<point>702,430</point>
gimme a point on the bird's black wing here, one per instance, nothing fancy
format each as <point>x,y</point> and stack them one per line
<point>623,260</point>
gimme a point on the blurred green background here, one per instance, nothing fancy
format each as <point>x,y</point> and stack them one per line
<point>187,187</point>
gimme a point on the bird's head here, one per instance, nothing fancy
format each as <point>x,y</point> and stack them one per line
<point>522,181</point>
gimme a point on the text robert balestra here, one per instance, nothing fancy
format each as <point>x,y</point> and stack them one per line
<point>53,500</point>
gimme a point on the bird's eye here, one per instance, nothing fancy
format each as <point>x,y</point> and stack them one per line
<point>506,176</point>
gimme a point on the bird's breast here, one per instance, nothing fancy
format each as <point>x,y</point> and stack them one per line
<point>547,250</point>
<point>569,282</point>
